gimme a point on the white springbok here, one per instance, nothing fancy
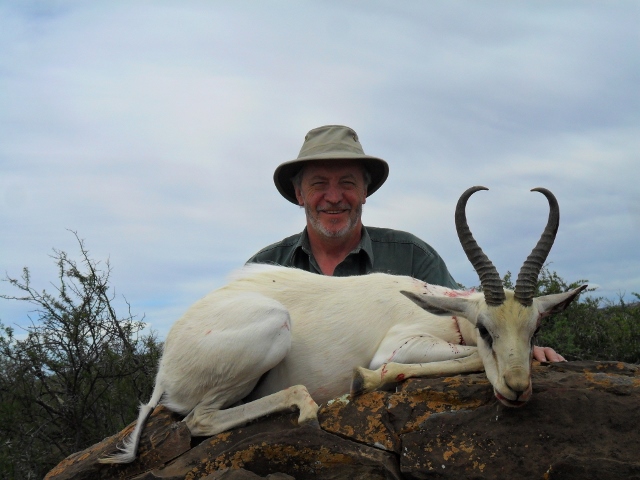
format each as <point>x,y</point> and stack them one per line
<point>278,338</point>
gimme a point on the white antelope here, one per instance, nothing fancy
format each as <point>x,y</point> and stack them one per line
<point>275,338</point>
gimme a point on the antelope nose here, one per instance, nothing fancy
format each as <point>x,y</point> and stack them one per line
<point>517,380</point>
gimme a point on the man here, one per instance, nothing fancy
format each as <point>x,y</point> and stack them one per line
<point>332,178</point>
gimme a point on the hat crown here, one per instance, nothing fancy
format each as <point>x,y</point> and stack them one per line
<point>331,140</point>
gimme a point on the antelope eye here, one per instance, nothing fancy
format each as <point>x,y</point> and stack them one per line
<point>484,333</point>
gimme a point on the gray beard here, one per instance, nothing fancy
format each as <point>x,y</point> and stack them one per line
<point>320,228</point>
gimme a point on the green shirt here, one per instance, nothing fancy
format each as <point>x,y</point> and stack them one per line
<point>380,250</point>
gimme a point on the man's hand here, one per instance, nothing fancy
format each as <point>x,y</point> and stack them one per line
<point>546,354</point>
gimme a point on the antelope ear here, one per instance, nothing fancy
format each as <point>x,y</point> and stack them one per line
<point>558,302</point>
<point>438,305</point>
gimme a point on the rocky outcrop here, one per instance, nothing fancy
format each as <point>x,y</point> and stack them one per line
<point>582,423</point>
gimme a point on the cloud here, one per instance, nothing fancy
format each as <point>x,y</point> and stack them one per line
<point>154,129</point>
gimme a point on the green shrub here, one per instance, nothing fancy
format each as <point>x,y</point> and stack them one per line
<point>78,375</point>
<point>591,328</point>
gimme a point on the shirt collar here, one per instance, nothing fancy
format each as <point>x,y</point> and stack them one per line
<point>365,245</point>
<point>303,242</point>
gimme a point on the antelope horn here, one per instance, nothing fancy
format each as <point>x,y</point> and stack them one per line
<point>528,277</point>
<point>489,278</point>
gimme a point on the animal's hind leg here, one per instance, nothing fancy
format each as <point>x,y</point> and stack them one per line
<point>216,354</point>
<point>207,419</point>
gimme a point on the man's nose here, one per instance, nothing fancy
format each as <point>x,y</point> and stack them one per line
<point>333,194</point>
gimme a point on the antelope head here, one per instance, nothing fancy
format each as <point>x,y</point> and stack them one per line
<point>505,321</point>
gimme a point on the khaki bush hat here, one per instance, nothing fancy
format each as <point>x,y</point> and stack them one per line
<point>330,142</point>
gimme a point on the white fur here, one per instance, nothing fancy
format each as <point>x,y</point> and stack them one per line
<point>271,330</point>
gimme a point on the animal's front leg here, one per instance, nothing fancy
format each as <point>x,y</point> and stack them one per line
<point>365,380</point>
<point>410,344</point>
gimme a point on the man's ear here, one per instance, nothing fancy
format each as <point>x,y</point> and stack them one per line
<point>299,196</point>
<point>366,190</point>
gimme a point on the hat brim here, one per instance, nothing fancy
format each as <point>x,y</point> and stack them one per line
<point>377,168</point>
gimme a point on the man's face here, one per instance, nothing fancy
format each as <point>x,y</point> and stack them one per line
<point>332,196</point>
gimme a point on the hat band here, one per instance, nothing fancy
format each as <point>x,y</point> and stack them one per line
<point>330,148</point>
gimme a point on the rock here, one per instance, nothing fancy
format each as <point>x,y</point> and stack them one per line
<point>582,408</point>
<point>242,474</point>
<point>381,418</point>
<point>276,444</point>
<point>573,467</point>
<point>582,422</point>
<point>163,439</point>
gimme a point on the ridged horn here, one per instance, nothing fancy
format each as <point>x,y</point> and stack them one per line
<point>489,278</point>
<point>528,277</point>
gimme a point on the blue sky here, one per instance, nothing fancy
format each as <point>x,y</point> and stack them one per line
<point>153,129</point>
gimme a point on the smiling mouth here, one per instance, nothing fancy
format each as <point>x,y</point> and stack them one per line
<point>333,212</point>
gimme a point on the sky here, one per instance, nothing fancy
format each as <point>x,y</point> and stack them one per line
<point>152,129</point>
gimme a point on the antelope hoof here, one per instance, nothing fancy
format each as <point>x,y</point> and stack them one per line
<point>309,414</point>
<point>363,381</point>
<point>309,422</point>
